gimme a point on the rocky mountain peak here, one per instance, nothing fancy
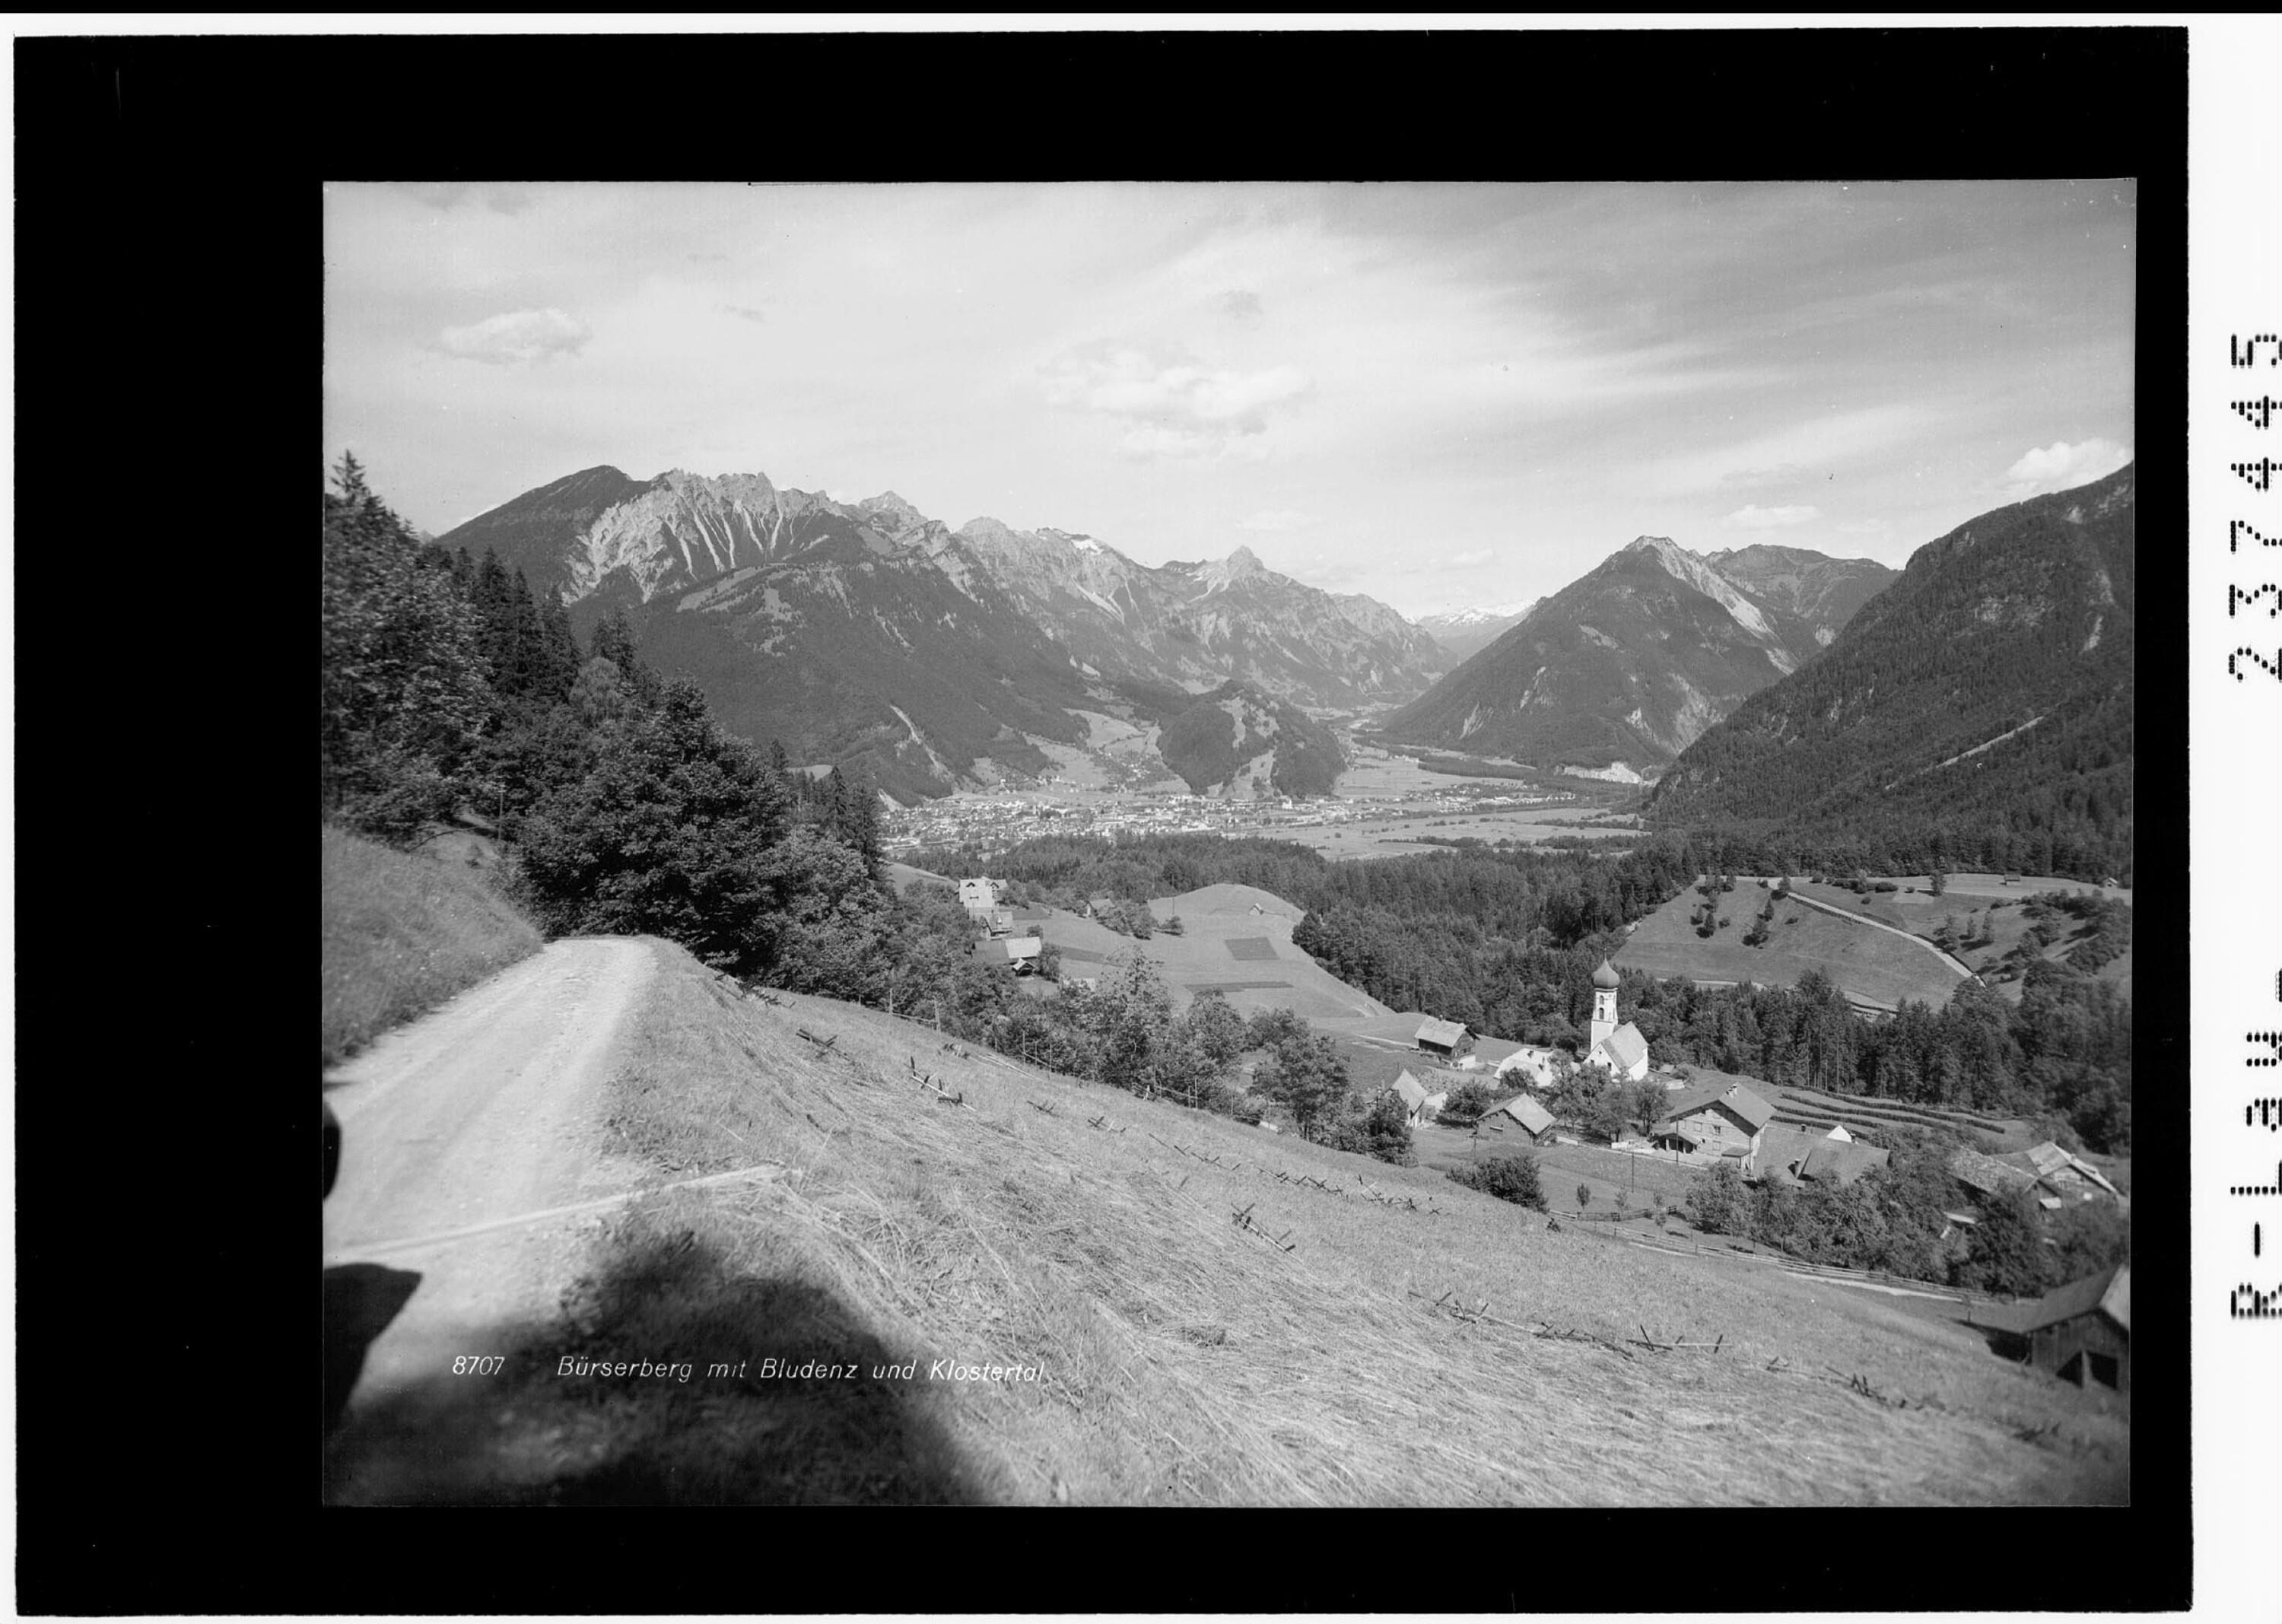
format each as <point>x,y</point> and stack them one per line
<point>892,507</point>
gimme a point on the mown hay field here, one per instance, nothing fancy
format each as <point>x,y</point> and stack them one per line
<point>1199,1313</point>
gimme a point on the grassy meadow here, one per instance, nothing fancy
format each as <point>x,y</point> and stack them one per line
<point>1867,963</point>
<point>1207,1323</point>
<point>400,932</point>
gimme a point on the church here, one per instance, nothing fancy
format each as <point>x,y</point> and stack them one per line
<point>1620,1048</point>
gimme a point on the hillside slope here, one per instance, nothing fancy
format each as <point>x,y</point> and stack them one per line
<point>1630,662</point>
<point>1238,740</point>
<point>1160,1352</point>
<point>1977,713</point>
<point>400,932</point>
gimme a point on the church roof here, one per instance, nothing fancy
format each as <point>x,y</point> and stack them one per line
<point>1624,1046</point>
<point>1606,975</point>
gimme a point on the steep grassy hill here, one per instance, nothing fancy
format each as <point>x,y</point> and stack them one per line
<point>1182,1326</point>
<point>398,933</point>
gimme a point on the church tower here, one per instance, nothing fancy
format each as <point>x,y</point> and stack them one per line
<point>1604,1006</point>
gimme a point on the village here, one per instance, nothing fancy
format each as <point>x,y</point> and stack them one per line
<point>1465,1094</point>
<point>1003,818</point>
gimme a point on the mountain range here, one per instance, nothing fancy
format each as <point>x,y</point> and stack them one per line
<point>943,658</point>
<point>1464,633</point>
<point>1627,667</point>
<point>1979,710</point>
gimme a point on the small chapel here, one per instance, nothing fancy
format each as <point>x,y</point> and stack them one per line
<point>1620,1048</point>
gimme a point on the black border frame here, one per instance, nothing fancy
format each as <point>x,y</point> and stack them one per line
<point>168,325</point>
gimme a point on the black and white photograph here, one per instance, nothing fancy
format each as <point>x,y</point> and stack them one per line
<point>1238,844</point>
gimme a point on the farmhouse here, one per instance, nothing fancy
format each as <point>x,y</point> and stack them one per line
<point>1531,1065</point>
<point>1020,953</point>
<point>1987,1175</point>
<point>1834,1162</point>
<point>1444,1039</point>
<point>1413,1095</point>
<point>1620,1048</point>
<point>1715,1119</point>
<point>978,897</point>
<point>1782,1146</point>
<point>1519,1114</point>
<point>2080,1332</point>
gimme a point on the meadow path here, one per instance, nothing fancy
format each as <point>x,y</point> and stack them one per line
<point>1949,960</point>
<point>474,1118</point>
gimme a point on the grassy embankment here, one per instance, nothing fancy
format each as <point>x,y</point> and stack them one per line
<point>401,932</point>
<point>1184,1356</point>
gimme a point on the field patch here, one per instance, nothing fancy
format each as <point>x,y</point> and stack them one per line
<point>1867,963</point>
<point>1250,947</point>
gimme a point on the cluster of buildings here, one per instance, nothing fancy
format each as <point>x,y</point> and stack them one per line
<point>2081,1332</point>
<point>1007,820</point>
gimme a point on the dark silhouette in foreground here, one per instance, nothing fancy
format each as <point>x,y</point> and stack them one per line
<point>539,1434</point>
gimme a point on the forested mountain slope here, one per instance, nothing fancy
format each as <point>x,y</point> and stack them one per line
<point>1629,662</point>
<point>1977,713</point>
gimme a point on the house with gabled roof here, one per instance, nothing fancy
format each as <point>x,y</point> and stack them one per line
<point>1531,1065</point>
<point>1714,1119</point>
<point>1412,1093</point>
<point>1444,1039</point>
<point>2080,1332</point>
<point>1519,1114</point>
<point>1020,953</point>
<point>1840,1161</point>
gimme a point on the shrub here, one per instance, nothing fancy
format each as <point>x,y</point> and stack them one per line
<point>1716,1203</point>
<point>1466,1103</point>
<point>1584,1197</point>
<point>1510,1177</point>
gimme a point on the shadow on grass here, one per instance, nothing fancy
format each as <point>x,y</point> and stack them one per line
<point>359,1301</point>
<point>548,1429</point>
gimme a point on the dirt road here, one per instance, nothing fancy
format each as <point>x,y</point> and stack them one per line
<point>476,1116</point>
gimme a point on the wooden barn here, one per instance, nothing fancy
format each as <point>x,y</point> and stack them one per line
<point>2080,1332</point>
<point>1520,1115</point>
<point>1444,1039</point>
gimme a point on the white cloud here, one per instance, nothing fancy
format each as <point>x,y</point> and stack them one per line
<point>520,336</point>
<point>2059,465</point>
<point>1468,559</point>
<point>1750,515</point>
<point>1864,527</point>
<point>1278,518</point>
<point>1173,410</point>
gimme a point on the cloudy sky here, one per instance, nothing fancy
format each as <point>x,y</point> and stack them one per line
<point>1439,395</point>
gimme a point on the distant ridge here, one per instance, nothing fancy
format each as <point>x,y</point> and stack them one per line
<point>1630,662</point>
